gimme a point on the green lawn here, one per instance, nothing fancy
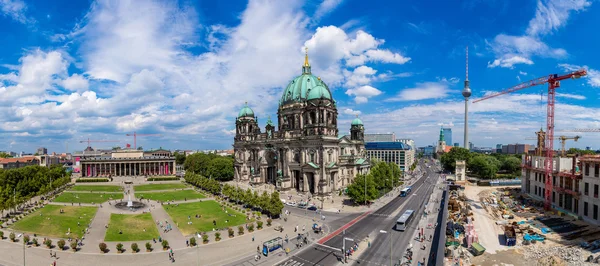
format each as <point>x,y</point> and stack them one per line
<point>132,227</point>
<point>103,188</point>
<point>151,187</point>
<point>52,223</point>
<point>73,197</point>
<point>209,210</point>
<point>170,195</point>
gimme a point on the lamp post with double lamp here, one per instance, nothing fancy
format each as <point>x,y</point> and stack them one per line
<point>390,237</point>
<point>344,248</point>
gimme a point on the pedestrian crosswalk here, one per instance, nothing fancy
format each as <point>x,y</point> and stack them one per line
<point>291,262</point>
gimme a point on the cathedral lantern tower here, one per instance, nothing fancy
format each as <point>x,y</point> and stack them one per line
<point>357,130</point>
<point>246,124</point>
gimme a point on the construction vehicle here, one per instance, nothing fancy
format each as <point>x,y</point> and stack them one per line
<point>553,82</point>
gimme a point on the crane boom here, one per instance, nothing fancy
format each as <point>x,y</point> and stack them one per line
<point>90,141</point>
<point>553,83</point>
<point>135,135</point>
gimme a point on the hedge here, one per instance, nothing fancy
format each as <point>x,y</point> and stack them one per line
<point>91,180</point>
<point>163,178</point>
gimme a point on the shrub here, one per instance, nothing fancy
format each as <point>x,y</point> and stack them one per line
<point>192,241</point>
<point>48,243</point>
<point>91,180</point>
<point>102,247</point>
<point>230,231</point>
<point>134,248</point>
<point>259,225</point>
<point>74,246</point>
<point>1,235</point>
<point>217,236</point>
<point>61,244</point>
<point>12,237</point>
<point>251,227</point>
<point>269,221</point>
<point>240,230</point>
<point>34,241</point>
<point>205,238</point>
<point>165,244</point>
<point>26,239</point>
<point>148,246</point>
<point>119,247</point>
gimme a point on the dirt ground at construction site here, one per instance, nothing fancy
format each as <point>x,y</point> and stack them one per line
<point>515,230</point>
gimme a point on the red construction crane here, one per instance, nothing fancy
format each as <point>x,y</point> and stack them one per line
<point>580,130</point>
<point>89,141</point>
<point>553,83</point>
<point>135,135</point>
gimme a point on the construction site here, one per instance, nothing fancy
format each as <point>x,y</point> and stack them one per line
<point>550,219</point>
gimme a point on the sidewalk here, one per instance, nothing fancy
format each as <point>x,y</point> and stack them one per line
<point>427,225</point>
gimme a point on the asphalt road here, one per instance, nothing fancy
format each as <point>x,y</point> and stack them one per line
<point>382,219</point>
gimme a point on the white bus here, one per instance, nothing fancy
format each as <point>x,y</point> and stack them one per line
<point>404,220</point>
<point>404,192</point>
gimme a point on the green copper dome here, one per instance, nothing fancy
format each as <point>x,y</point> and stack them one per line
<point>305,87</point>
<point>357,122</point>
<point>246,112</point>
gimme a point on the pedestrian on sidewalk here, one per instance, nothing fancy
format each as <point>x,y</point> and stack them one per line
<point>252,238</point>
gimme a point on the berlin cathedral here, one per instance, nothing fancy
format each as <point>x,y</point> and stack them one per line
<point>305,151</point>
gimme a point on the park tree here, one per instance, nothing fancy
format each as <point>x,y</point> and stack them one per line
<point>275,206</point>
<point>382,174</point>
<point>580,151</point>
<point>356,190</point>
<point>4,155</point>
<point>197,163</point>
<point>263,201</point>
<point>448,159</point>
<point>179,158</point>
<point>396,173</point>
<point>511,165</point>
<point>484,166</point>
<point>220,169</point>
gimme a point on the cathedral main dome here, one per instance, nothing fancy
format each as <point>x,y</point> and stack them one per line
<point>305,87</point>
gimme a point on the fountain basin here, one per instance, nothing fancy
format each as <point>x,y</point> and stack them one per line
<point>130,205</point>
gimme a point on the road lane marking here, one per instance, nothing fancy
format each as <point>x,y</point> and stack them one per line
<point>344,227</point>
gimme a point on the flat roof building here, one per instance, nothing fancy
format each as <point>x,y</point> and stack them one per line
<point>391,152</point>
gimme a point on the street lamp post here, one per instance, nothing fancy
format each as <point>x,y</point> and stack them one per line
<point>390,237</point>
<point>344,248</point>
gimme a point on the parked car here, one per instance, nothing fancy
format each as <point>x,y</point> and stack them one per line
<point>291,203</point>
<point>302,205</point>
<point>312,208</point>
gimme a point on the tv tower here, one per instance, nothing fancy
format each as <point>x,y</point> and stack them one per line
<point>467,93</point>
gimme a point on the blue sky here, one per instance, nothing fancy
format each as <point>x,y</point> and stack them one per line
<point>72,70</point>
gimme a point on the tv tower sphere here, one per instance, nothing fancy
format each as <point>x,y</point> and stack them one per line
<point>466,91</point>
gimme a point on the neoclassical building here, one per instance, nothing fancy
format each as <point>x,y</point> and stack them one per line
<point>304,151</point>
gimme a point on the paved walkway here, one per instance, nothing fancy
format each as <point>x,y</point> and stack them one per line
<point>427,224</point>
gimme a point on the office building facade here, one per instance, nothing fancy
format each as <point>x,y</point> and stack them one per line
<point>380,137</point>
<point>392,152</point>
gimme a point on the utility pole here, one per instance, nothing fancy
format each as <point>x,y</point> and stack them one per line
<point>385,232</point>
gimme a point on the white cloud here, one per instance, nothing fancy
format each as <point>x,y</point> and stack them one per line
<point>349,111</point>
<point>325,8</point>
<point>363,93</point>
<point>593,76</point>
<point>550,15</point>
<point>522,73</point>
<point>571,96</point>
<point>15,9</point>
<point>76,82</point>
<point>331,44</point>
<point>509,61</point>
<point>135,71</point>
<point>423,91</point>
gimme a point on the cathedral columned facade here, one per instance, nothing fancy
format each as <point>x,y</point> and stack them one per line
<point>304,151</point>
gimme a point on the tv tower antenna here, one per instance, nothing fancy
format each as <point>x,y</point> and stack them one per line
<point>466,93</point>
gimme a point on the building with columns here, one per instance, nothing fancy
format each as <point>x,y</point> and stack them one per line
<point>92,163</point>
<point>304,151</point>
